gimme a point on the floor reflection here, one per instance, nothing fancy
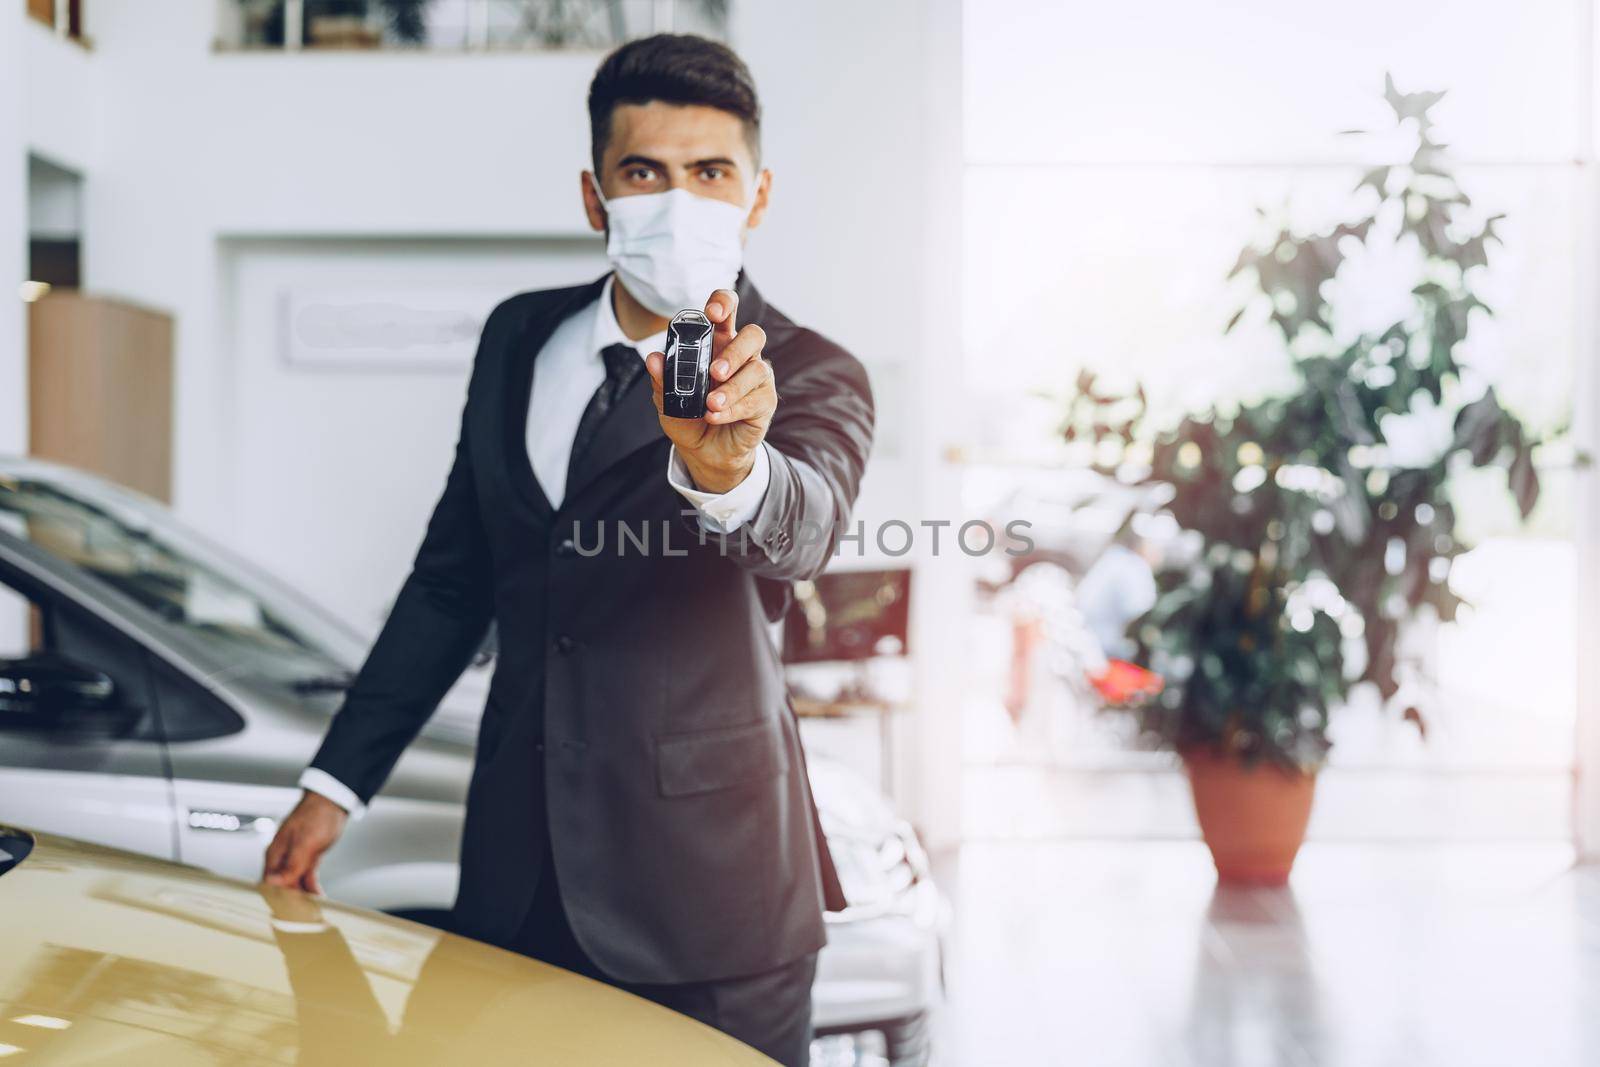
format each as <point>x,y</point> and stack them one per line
<point>1126,954</point>
<point>1255,997</point>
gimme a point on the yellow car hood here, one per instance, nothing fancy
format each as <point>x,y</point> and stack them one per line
<point>107,957</point>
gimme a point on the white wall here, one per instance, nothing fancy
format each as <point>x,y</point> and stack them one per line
<point>61,97</point>
<point>201,147</point>
<point>338,468</point>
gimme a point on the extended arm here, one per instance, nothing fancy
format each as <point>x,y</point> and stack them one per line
<point>809,451</point>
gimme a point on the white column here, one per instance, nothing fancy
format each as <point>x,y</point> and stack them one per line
<point>945,609</point>
<point>891,104</point>
<point>1586,408</point>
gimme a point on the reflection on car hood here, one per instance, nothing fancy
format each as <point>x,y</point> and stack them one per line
<point>113,958</point>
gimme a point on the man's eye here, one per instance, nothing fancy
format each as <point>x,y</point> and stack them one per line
<point>713,174</point>
<point>639,174</point>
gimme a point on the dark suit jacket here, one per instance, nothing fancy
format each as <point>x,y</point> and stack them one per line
<point>638,713</point>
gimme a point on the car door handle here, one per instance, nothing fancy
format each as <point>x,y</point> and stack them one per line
<point>230,822</point>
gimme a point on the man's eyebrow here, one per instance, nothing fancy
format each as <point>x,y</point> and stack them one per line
<point>638,161</point>
<point>634,160</point>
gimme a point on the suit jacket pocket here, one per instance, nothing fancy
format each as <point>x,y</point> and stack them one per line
<point>708,760</point>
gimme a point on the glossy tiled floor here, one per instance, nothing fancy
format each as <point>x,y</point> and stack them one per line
<point>1392,954</point>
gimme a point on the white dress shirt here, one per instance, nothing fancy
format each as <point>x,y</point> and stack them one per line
<point>569,370</point>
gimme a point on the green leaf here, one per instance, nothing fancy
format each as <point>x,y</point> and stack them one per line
<point>1523,478</point>
<point>1477,428</point>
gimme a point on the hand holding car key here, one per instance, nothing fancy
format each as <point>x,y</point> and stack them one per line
<point>713,392</point>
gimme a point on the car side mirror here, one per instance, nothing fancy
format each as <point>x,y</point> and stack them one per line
<point>49,692</point>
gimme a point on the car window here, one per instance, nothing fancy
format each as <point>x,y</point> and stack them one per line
<point>251,623</point>
<point>36,623</point>
<point>189,711</point>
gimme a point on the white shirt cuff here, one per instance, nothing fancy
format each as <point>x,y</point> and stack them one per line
<point>325,784</point>
<point>723,512</point>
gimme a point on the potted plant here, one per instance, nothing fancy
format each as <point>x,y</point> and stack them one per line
<point>1316,530</point>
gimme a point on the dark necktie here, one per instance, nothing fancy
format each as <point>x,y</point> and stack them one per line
<point>623,365</point>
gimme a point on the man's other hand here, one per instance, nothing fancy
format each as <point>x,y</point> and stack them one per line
<point>719,449</point>
<point>296,850</point>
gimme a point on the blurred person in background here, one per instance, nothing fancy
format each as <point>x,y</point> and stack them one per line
<point>639,810</point>
<point>1118,587</point>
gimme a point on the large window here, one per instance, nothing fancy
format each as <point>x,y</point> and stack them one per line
<point>1118,159</point>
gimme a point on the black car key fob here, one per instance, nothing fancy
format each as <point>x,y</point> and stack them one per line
<point>686,368</point>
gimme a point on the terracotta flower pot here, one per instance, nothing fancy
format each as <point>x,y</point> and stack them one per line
<point>1253,818</point>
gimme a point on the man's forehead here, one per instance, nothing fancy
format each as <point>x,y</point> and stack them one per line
<point>677,133</point>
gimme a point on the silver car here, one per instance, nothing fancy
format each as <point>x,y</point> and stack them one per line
<point>159,694</point>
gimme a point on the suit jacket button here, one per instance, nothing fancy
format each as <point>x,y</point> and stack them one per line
<point>566,548</point>
<point>565,645</point>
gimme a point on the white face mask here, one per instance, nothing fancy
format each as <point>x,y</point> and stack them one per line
<point>674,249</point>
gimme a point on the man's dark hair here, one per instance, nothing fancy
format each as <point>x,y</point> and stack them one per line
<point>675,69</point>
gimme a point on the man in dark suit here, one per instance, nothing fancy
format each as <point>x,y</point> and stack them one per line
<point>639,809</point>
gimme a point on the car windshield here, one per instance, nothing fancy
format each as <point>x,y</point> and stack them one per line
<point>250,623</point>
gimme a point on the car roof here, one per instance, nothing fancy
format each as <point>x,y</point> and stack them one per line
<point>81,482</point>
<point>113,957</point>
